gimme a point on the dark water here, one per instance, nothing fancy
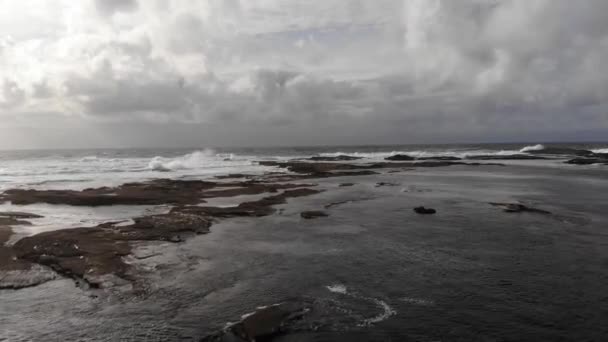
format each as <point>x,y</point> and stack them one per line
<point>373,269</point>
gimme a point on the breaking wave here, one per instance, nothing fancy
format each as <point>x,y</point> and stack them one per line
<point>600,150</point>
<point>537,147</point>
<point>206,158</point>
<point>188,161</point>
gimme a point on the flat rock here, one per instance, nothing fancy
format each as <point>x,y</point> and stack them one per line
<point>346,184</point>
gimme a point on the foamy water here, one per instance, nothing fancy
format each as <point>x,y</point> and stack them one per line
<point>80,169</point>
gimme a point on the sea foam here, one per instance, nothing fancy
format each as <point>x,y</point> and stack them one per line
<point>537,147</point>
<point>192,160</point>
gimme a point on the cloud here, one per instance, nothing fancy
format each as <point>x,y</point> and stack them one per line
<point>386,71</point>
<point>109,7</point>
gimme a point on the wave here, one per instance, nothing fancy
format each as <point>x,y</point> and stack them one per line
<point>600,150</point>
<point>538,147</point>
<point>422,154</point>
<point>386,310</point>
<point>195,160</point>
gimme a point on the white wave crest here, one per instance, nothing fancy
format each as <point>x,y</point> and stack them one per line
<point>337,288</point>
<point>386,312</point>
<point>600,150</point>
<point>537,147</point>
<point>189,161</point>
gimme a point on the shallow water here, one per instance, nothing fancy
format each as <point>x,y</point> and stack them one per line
<point>377,270</point>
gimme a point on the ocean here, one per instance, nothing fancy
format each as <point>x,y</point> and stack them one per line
<point>85,168</point>
<point>372,270</point>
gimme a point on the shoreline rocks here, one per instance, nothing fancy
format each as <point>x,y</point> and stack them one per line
<point>400,157</point>
<point>93,255</point>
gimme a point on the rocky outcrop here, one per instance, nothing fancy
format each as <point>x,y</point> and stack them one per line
<point>563,151</point>
<point>95,256</point>
<point>324,170</point>
<point>424,211</point>
<point>19,215</point>
<point>444,158</point>
<point>312,214</point>
<point>505,157</point>
<point>518,208</point>
<point>336,158</point>
<point>162,191</point>
<point>587,161</point>
<point>400,157</point>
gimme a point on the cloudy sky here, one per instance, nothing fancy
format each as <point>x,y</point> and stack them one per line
<point>111,73</point>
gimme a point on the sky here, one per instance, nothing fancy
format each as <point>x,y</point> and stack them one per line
<point>214,73</point>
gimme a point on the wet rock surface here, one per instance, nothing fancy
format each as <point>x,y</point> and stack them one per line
<point>18,215</point>
<point>265,324</point>
<point>93,254</point>
<point>17,273</point>
<point>518,208</point>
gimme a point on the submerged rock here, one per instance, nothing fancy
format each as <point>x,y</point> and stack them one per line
<point>336,158</point>
<point>313,214</point>
<point>262,325</point>
<point>505,157</point>
<point>425,211</point>
<point>587,161</point>
<point>19,215</point>
<point>400,157</point>
<point>444,158</point>
<point>518,208</point>
<point>380,184</point>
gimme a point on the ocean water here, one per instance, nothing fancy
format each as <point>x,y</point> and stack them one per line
<point>80,169</point>
<point>373,270</point>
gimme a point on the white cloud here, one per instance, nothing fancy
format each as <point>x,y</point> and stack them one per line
<point>441,69</point>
